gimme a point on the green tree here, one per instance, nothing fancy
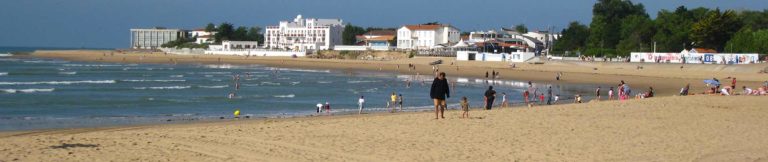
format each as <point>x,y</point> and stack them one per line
<point>573,40</point>
<point>607,16</point>
<point>748,41</point>
<point>349,34</point>
<point>224,32</point>
<point>254,34</point>
<point>210,27</point>
<point>755,19</point>
<point>520,28</point>
<point>636,33</point>
<point>240,34</point>
<point>715,29</point>
<point>673,28</point>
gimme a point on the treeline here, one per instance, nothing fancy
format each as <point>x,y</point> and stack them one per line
<point>225,31</point>
<point>619,27</point>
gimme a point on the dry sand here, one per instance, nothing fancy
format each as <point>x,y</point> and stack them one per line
<point>671,128</point>
<point>693,128</point>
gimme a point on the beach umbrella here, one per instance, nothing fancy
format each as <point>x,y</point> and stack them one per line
<point>711,82</point>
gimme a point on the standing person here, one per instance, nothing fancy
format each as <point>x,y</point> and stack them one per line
<point>557,98</point>
<point>486,74</point>
<point>541,98</point>
<point>393,101</point>
<point>597,93</point>
<point>464,107</point>
<point>621,92</point>
<point>400,102</point>
<point>439,92</point>
<point>327,108</point>
<point>549,95</point>
<point>610,93</point>
<point>526,95</point>
<point>490,95</point>
<point>733,83</point>
<point>319,107</point>
<point>361,104</point>
<point>504,102</point>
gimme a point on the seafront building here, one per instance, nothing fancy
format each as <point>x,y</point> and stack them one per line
<point>427,36</point>
<point>304,34</point>
<point>201,36</point>
<point>153,38</point>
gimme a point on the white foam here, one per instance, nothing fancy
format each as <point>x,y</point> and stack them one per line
<point>295,83</point>
<point>153,80</point>
<point>61,82</point>
<point>301,70</point>
<point>94,65</point>
<point>285,96</point>
<point>5,55</point>
<point>218,86</point>
<point>177,76</point>
<point>68,73</point>
<point>324,82</point>
<point>210,73</point>
<point>44,61</point>
<point>26,90</point>
<point>361,81</point>
<point>269,83</point>
<point>3,73</point>
<point>162,88</point>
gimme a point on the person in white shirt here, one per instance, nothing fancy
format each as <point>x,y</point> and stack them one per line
<point>361,103</point>
<point>319,107</point>
<point>747,91</point>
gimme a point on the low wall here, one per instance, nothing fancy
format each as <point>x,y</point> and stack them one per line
<point>481,56</point>
<point>259,53</point>
<point>696,58</point>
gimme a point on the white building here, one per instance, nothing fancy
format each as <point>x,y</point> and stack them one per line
<point>201,36</point>
<point>304,34</point>
<point>545,37</point>
<point>426,36</point>
<point>234,45</point>
<point>155,37</point>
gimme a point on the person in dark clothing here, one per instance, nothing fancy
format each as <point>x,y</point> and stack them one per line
<point>490,95</point>
<point>549,95</point>
<point>439,92</point>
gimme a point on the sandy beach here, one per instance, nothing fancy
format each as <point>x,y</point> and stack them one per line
<point>692,128</point>
<point>665,128</point>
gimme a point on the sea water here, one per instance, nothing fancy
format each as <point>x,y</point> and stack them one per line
<point>47,93</point>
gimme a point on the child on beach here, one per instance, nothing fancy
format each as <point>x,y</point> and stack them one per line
<point>504,102</point>
<point>361,103</point>
<point>577,98</point>
<point>464,107</point>
<point>541,98</point>
<point>610,93</point>
<point>236,113</point>
<point>557,97</point>
<point>393,101</point>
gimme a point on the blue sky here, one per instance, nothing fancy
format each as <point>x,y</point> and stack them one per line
<point>106,23</point>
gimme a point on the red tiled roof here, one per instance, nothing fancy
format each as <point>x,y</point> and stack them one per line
<point>705,50</point>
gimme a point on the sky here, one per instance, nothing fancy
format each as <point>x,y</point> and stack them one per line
<point>106,23</point>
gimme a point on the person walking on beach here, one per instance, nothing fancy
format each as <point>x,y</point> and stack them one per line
<point>504,102</point>
<point>597,93</point>
<point>393,101</point>
<point>549,95</point>
<point>526,95</point>
<point>439,92</point>
<point>610,93</point>
<point>490,95</point>
<point>400,102</point>
<point>464,107</point>
<point>361,104</point>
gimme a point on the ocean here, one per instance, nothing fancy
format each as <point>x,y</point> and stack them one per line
<point>40,93</point>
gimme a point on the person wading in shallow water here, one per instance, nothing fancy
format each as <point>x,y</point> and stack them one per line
<point>439,92</point>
